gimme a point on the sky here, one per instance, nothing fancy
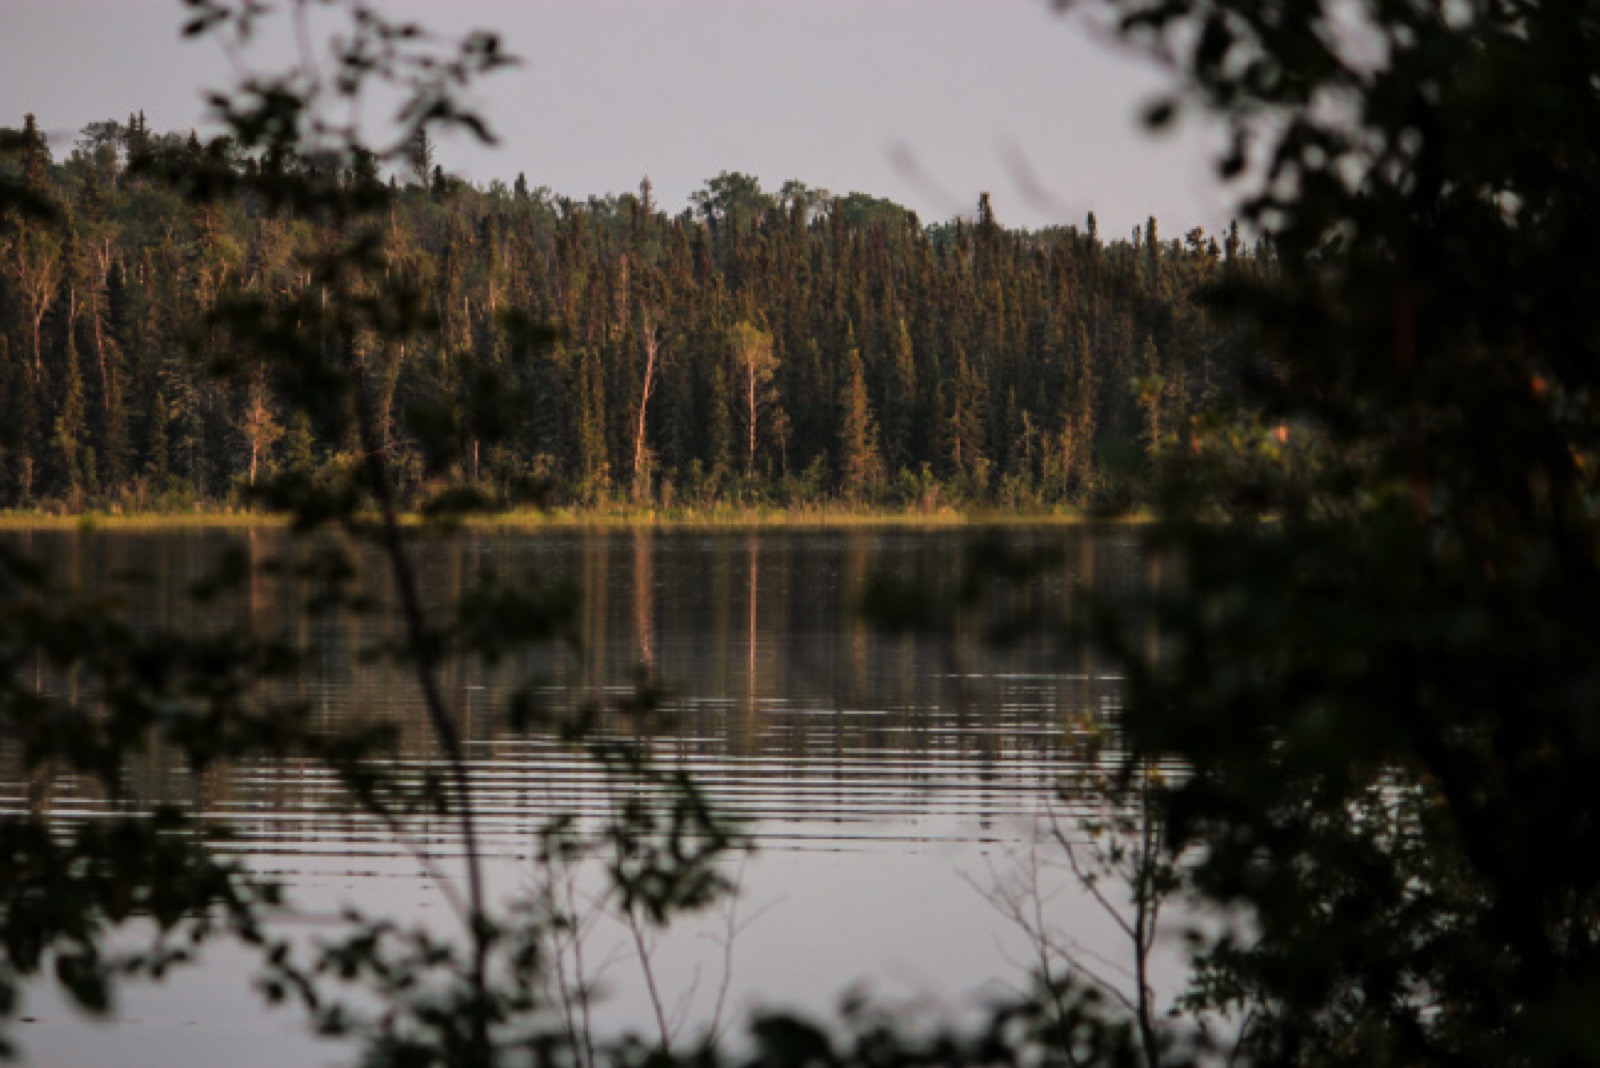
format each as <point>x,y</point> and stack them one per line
<point>926,102</point>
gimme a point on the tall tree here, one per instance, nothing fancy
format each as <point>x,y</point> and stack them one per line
<point>1152,395</point>
<point>754,356</point>
<point>860,462</point>
<point>969,421</point>
<point>258,423</point>
<point>1080,415</point>
<point>71,430</point>
<point>650,344</point>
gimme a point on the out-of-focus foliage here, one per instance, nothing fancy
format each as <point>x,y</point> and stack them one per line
<point>1369,660</point>
<point>1377,663</point>
<point>83,692</point>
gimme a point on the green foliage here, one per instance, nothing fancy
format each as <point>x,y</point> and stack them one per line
<point>170,243</point>
<point>1374,661</point>
<point>860,463</point>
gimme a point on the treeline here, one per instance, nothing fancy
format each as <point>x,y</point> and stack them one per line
<point>782,347</point>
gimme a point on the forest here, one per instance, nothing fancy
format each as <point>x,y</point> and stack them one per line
<point>785,348</point>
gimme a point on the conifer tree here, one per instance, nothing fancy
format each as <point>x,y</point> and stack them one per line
<point>116,443</point>
<point>968,422</point>
<point>718,425</point>
<point>1152,251</point>
<point>1081,413</point>
<point>158,453</point>
<point>593,465</point>
<point>1152,395</point>
<point>900,400</point>
<point>71,429</point>
<point>860,463</point>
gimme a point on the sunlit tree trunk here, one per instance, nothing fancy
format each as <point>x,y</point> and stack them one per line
<point>651,334</point>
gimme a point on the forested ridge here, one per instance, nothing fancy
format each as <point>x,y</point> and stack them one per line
<point>760,347</point>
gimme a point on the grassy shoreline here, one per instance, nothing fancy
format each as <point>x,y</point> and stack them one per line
<point>592,518</point>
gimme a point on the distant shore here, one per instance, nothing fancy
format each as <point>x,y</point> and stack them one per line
<point>729,516</point>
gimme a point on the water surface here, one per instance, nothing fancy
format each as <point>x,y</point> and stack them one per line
<point>886,780</point>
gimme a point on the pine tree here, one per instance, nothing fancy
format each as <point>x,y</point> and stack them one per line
<point>115,443</point>
<point>968,422</point>
<point>899,401</point>
<point>35,157</point>
<point>1152,389</point>
<point>71,429</point>
<point>1152,255</point>
<point>718,424</point>
<point>860,464</point>
<point>159,452</point>
<point>1080,414</point>
<point>421,157</point>
<point>593,466</point>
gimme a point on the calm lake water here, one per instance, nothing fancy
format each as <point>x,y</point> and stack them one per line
<point>887,781</point>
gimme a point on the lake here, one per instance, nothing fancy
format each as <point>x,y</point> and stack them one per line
<point>889,782</point>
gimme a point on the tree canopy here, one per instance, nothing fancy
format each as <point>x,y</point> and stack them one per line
<point>109,401</point>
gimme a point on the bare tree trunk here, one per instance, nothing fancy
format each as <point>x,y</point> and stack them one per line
<point>40,309</point>
<point>651,334</point>
<point>624,289</point>
<point>103,262</point>
<point>36,269</point>
<point>750,453</point>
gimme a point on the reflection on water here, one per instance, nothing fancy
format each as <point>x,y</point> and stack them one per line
<point>876,770</point>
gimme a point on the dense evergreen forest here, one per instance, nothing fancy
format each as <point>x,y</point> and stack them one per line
<point>760,347</point>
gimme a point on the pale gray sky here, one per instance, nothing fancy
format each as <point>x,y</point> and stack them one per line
<point>927,102</point>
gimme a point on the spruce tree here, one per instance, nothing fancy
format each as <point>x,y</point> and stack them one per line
<point>1152,388</point>
<point>71,430</point>
<point>968,423</point>
<point>860,463</point>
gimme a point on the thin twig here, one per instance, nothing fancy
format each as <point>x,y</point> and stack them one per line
<point>425,658</point>
<point>641,947</point>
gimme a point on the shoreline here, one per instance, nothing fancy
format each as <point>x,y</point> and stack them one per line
<point>597,519</point>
